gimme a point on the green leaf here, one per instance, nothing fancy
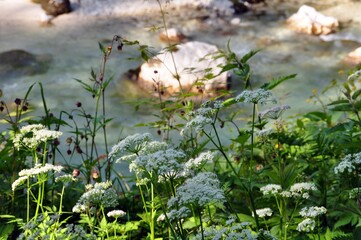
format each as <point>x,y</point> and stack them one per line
<point>340,101</point>
<point>276,81</point>
<point>356,94</point>
<point>102,48</point>
<point>246,57</point>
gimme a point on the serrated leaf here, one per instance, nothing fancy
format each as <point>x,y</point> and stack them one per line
<point>276,81</point>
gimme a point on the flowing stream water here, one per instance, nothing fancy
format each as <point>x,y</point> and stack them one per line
<point>73,45</point>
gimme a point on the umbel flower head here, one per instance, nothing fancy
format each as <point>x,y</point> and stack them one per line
<point>197,192</point>
<point>25,174</point>
<point>298,190</point>
<point>31,136</point>
<point>259,96</point>
<point>166,163</point>
<point>348,163</point>
<point>273,113</point>
<point>201,117</point>
<point>101,194</point>
<point>130,145</point>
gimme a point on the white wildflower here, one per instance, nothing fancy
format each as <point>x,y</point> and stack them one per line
<point>218,104</point>
<point>306,225</point>
<point>161,218</point>
<point>348,163</point>
<point>130,144</point>
<point>116,213</point>
<point>259,96</point>
<point>302,189</point>
<point>165,163</point>
<point>196,163</point>
<point>19,182</point>
<point>31,136</point>
<point>39,169</point>
<point>272,189</point>
<point>354,193</point>
<point>312,212</point>
<point>264,212</point>
<point>101,194</point>
<point>286,194</point>
<point>201,190</point>
<point>65,178</point>
<point>273,113</point>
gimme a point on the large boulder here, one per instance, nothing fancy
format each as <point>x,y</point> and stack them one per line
<point>197,70</point>
<point>17,63</point>
<point>55,7</point>
<point>308,20</point>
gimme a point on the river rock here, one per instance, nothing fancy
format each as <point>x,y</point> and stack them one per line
<point>174,36</point>
<point>56,7</point>
<point>354,57</point>
<point>308,20</point>
<point>17,63</point>
<point>191,59</point>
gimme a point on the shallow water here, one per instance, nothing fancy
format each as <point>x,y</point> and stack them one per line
<point>75,51</point>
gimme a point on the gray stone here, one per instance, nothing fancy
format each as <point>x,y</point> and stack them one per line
<point>56,7</point>
<point>17,63</point>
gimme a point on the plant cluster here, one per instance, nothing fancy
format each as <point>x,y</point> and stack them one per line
<point>216,170</point>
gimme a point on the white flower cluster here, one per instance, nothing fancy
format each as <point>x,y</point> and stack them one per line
<point>273,113</point>
<point>31,136</point>
<point>66,178</point>
<point>302,189</point>
<point>297,190</point>
<point>130,144</point>
<point>264,212</point>
<point>259,96</point>
<point>312,212</point>
<point>116,213</point>
<point>101,194</point>
<point>348,163</point>
<point>354,193</point>
<point>198,162</point>
<point>25,174</point>
<point>199,191</point>
<point>165,163</point>
<point>307,225</point>
<point>272,189</point>
<point>233,231</point>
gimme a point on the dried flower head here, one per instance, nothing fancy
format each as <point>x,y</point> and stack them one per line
<point>273,113</point>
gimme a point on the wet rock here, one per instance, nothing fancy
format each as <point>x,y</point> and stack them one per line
<point>174,36</point>
<point>56,7</point>
<point>353,58</point>
<point>191,60</point>
<point>17,63</point>
<point>308,20</point>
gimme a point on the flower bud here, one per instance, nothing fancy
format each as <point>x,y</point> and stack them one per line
<point>76,172</point>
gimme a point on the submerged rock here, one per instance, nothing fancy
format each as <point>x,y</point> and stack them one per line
<point>354,57</point>
<point>17,63</point>
<point>56,7</point>
<point>308,20</point>
<point>197,70</point>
